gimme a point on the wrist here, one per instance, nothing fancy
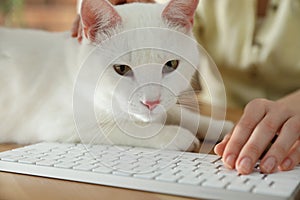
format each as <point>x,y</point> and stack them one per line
<point>292,101</point>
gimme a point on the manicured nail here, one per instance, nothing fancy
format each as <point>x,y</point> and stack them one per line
<point>245,165</point>
<point>269,165</point>
<point>286,165</point>
<point>230,161</point>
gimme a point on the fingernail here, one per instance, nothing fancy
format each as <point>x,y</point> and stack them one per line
<point>230,161</point>
<point>245,165</point>
<point>269,165</point>
<point>286,164</point>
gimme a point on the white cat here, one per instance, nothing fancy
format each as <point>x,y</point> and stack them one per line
<point>45,94</point>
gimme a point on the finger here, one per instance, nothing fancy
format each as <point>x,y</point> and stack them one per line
<point>117,2</point>
<point>79,36</point>
<point>253,113</point>
<point>219,148</point>
<point>144,1</point>
<point>292,159</point>
<point>75,26</point>
<point>260,139</point>
<point>289,134</point>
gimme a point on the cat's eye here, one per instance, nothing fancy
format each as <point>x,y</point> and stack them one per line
<point>170,66</point>
<point>123,70</point>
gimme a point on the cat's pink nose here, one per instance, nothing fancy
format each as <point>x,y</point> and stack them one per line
<point>151,104</point>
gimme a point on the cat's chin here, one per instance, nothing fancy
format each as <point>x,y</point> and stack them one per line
<point>146,118</point>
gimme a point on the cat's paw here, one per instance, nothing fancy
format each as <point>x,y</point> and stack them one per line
<point>216,129</point>
<point>179,139</point>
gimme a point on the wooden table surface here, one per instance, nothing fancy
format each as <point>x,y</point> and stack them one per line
<point>23,187</point>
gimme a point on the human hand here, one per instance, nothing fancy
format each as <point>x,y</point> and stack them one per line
<point>77,29</point>
<point>261,121</point>
<point>117,2</point>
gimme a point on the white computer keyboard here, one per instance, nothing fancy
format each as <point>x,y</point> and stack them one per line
<point>170,172</point>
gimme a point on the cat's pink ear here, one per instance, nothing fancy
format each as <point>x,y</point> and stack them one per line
<point>180,13</point>
<point>98,16</point>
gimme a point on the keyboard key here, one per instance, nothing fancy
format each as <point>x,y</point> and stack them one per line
<point>187,163</point>
<point>228,172</point>
<point>47,162</point>
<point>52,157</point>
<point>103,169</point>
<point>124,167</point>
<point>28,160</point>
<point>167,177</point>
<point>190,180</point>
<point>65,165</point>
<point>150,175</point>
<point>122,173</point>
<point>285,192</point>
<point>254,175</point>
<point>285,184</point>
<point>214,183</point>
<point>240,187</point>
<point>85,167</point>
<point>293,174</point>
<point>12,158</point>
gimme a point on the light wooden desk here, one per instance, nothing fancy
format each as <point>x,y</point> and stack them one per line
<point>23,187</point>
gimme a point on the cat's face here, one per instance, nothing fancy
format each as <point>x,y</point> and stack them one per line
<point>146,90</point>
<point>143,82</point>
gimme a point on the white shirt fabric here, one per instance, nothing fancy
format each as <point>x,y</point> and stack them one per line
<point>257,57</point>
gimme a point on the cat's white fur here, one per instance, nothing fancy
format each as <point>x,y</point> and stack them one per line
<point>38,71</point>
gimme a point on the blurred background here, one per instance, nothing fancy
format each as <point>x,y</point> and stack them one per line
<point>51,15</point>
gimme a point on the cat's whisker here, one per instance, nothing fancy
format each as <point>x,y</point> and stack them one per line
<point>193,108</point>
<point>195,92</point>
<point>101,132</point>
